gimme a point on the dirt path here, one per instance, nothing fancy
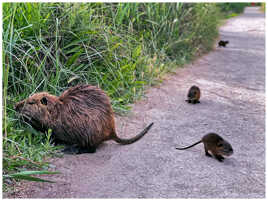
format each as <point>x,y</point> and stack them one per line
<point>232,81</point>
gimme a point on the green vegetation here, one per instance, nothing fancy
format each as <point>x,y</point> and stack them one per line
<point>231,9</point>
<point>26,175</point>
<point>263,7</point>
<point>120,47</point>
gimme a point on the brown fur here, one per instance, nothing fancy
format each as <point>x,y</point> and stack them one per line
<point>81,116</point>
<point>216,145</point>
<point>193,95</point>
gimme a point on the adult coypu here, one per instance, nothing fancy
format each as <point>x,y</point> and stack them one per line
<point>81,117</point>
<point>193,95</point>
<point>223,43</point>
<point>216,145</point>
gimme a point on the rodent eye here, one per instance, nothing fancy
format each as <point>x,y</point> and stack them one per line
<point>44,101</point>
<point>31,102</point>
<point>220,145</point>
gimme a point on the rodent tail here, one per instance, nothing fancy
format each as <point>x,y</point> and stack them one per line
<point>134,139</point>
<point>189,146</point>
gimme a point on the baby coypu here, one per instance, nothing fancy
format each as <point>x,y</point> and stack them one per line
<point>81,117</point>
<point>223,43</point>
<point>193,95</point>
<point>216,145</point>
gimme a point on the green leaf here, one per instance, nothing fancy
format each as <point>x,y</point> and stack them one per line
<point>73,58</point>
<point>25,176</point>
<point>137,51</point>
<point>29,178</point>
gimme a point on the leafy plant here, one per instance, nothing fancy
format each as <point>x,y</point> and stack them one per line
<point>26,175</point>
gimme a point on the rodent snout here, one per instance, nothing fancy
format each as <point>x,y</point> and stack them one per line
<point>231,151</point>
<point>18,106</point>
<point>228,152</point>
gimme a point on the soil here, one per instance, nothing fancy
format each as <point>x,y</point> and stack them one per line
<point>232,83</point>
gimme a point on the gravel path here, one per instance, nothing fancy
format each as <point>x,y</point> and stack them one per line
<point>232,82</point>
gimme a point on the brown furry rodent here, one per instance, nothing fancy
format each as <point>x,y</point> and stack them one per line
<point>223,43</point>
<point>216,145</point>
<point>82,117</point>
<point>193,95</point>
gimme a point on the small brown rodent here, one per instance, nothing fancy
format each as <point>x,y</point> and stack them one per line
<point>81,117</point>
<point>216,145</point>
<point>223,43</point>
<point>193,95</point>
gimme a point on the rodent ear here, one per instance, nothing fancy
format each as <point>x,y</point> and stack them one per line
<point>44,101</point>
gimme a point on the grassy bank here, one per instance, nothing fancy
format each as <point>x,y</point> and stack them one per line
<point>263,7</point>
<point>120,47</point>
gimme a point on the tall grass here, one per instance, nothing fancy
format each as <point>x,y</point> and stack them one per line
<point>231,9</point>
<point>120,47</point>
